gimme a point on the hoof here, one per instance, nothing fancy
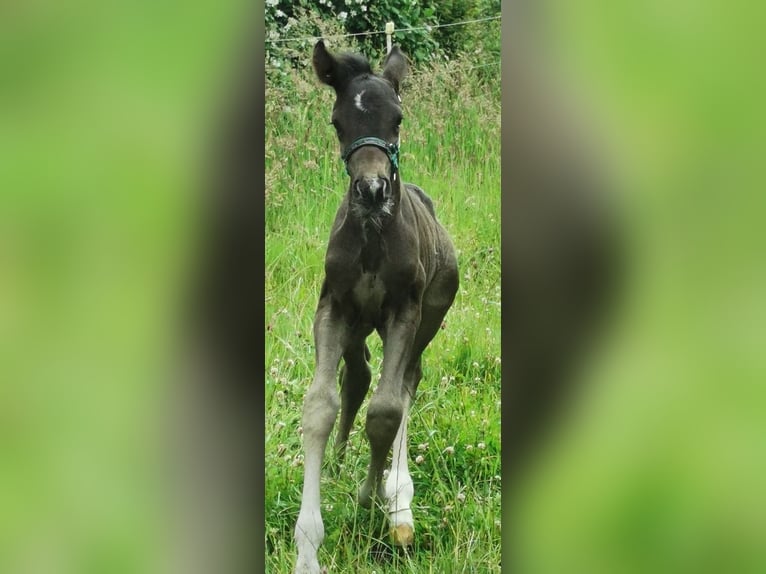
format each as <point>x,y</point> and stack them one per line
<point>403,535</point>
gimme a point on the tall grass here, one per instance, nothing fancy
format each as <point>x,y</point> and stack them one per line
<point>451,148</point>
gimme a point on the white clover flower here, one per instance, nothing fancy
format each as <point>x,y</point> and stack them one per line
<point>272,3</point>
<point>363,8</point>
<point>481,446</point>
<point>422,446</point>
<point>280,14</point>
<point>419,459</point>
<point>469,447</point>
<point>450,450</point>
<point>461,497</point>
<point>343,15</point>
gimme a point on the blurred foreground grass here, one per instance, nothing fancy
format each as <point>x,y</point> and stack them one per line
<point>102,112</point>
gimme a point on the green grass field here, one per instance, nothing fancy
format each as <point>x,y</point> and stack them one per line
<point>450,147</point>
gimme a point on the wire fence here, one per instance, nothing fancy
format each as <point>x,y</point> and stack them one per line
<point>427,28</point>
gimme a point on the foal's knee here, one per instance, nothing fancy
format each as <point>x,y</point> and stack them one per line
<point>383,420</point>
<point>320,407</point>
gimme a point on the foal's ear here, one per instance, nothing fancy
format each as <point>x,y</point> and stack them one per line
<point>395,67</point>
<point>338,71</point>
<point>324,64</point>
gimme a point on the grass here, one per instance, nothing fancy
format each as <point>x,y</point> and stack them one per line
<point>450,147</point>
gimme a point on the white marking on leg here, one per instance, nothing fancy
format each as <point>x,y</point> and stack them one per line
<point>309,529</point>
<point>399,488</point>
<point>319,411</point>
<point>358,102</point>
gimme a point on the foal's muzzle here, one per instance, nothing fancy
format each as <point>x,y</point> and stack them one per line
<point>372,189</point>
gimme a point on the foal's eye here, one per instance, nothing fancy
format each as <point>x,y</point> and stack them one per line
<point>336,125</point>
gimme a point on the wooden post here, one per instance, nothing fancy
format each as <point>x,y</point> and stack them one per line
<point>389,32</point>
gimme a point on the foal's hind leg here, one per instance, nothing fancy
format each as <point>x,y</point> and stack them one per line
<point>320,408</point>
<point>355,382</point>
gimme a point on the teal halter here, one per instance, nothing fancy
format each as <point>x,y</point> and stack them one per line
<point>391,149</point>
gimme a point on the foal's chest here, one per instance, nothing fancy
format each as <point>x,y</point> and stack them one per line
<point>368,294</point>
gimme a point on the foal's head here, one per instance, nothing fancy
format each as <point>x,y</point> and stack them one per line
<point>366,116</point>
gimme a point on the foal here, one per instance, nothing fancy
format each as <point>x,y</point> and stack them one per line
<point>390,267</point>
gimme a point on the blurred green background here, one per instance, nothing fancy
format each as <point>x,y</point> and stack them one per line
<point>104,111</point>
<point>662,465</point>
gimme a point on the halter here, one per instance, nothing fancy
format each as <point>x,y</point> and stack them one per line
<point>391,149</point>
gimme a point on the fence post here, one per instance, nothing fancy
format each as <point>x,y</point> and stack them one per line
<point>389,31</point>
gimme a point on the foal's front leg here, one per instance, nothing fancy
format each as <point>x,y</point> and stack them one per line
<point>387,412</point>
<point>399,488</point>
<point>320,408</point>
